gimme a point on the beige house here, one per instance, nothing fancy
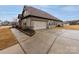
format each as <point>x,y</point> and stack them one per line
<point>34,18</point>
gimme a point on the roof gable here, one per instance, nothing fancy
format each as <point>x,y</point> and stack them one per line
<point>37,12</point>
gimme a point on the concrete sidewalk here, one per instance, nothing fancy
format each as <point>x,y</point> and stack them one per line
<point>45,41</point>
<point>39,43</point>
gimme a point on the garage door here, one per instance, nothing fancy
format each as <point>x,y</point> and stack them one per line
<point>39,25</point>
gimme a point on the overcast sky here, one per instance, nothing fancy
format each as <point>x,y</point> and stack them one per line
<point>63,12</point>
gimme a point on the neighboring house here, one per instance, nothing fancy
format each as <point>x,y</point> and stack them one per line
<point>66,23</point>
<point>34,18</point>
<point>72,22</point>
<point>5,23</point>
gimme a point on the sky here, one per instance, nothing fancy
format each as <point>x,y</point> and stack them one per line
<point>63,12</point>
<point>10,12</point>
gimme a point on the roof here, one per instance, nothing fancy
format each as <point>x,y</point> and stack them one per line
<point>37,12</point>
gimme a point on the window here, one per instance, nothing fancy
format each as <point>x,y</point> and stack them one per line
<point>50,23</point>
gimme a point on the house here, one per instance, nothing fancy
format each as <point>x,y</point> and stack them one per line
<point>34,18</point>
<point>72,22</point>
<point>5,23</point>
<point>66,23</point>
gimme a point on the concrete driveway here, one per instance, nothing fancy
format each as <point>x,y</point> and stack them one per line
<point>49,41</point>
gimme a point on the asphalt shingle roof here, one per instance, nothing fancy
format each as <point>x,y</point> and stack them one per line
<point>37,12</point>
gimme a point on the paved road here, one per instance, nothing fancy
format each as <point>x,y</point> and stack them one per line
<point>49,41</point>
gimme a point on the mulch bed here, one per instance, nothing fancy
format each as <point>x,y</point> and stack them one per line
<point>28,32</point>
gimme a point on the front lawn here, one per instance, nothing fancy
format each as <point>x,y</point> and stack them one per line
<point>6,38</point>
<point>72,27</point>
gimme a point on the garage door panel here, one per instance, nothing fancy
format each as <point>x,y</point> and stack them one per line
<point>39,25</point>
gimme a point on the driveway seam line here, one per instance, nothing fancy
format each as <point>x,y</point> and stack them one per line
<point>21,47</point>
<point>19,43</point>
<point>53,43</point>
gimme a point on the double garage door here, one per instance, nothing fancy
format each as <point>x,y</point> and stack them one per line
<point>39,25</point>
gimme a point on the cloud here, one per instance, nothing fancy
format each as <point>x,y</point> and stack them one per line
<point>63,12</point>
<point>70,8</point>
<point>46,6</point>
